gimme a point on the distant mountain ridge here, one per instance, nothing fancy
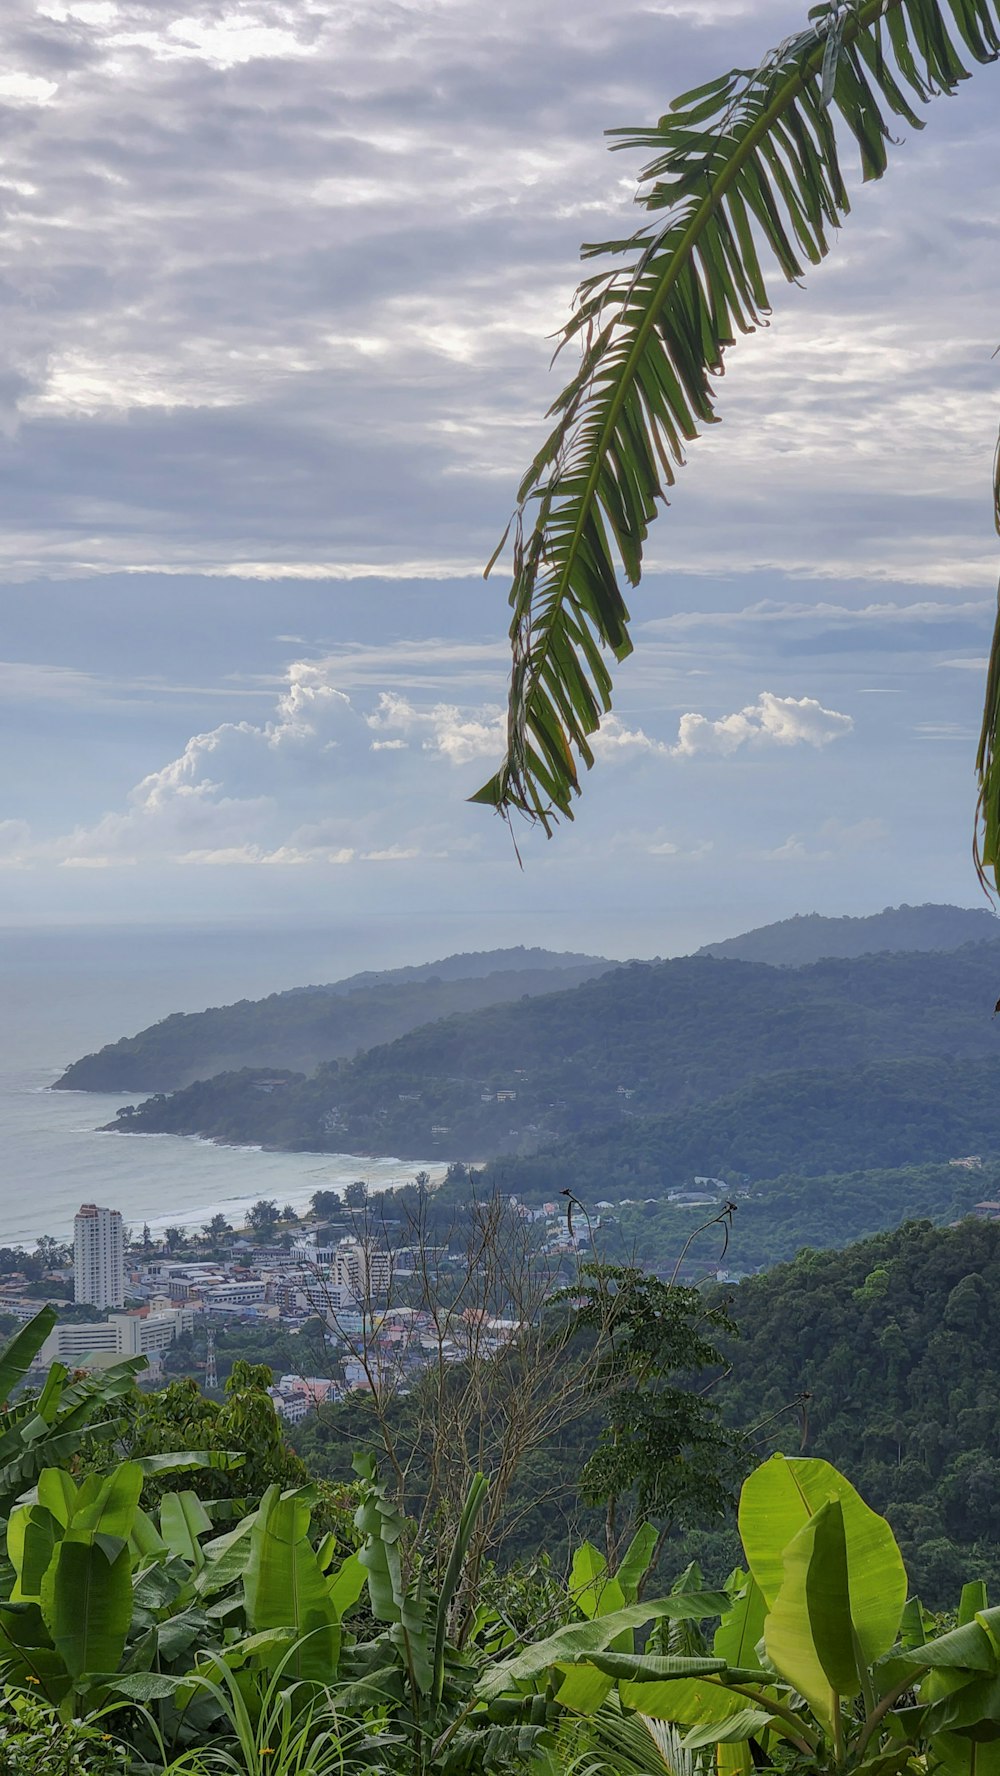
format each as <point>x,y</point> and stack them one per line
<point>813,937</point>
<point>304,1027</point>
<point>588,1066</point>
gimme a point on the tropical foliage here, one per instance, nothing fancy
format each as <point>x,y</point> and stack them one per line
<point>818,1661</point>
<point>143,1636</point>
<point>883,1357</point>
<point>50,1426</point>
<point>744,177</point>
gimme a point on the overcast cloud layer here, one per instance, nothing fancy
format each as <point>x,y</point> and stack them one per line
<point>277,285</point>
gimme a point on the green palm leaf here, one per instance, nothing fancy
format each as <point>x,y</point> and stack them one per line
<point>747,173</point>
<point>987,842</point>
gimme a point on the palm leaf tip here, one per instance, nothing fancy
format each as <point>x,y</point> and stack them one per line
<point>986,848</point>
<point>744,175</point>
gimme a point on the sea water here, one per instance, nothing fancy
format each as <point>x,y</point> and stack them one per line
<point>66,992</point>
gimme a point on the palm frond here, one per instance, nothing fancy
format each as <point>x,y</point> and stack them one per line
<point>747,171</point>
<point>986,847</point>
<point>613,1743</point>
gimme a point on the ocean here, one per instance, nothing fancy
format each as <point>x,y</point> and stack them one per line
<point>67,991</point>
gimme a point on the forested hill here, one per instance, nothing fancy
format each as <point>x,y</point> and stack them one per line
<point>810,937</point>
<point>305,1026</point>
<point>897,1341</point>
<point>641,1043</point>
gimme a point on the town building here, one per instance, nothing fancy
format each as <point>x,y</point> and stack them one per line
<point>98,1257</point>
<point>99,1343</point>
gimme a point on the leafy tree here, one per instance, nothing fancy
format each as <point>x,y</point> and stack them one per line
<point>356,1194</point>
<point>895,1382</point>
<point>325,1204</point>
<point>15,1261</point>
<point>742,175</point>
<point>663,1451</point>
<point>51,1253</point>
<point>180,1418</point>
<point>263,1217</point>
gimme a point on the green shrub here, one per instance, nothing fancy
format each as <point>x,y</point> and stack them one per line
<point>35,1742</point>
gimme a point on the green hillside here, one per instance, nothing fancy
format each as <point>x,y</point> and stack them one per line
<point>625,1063</point>
<point>896,1342</point>
<point>306,1026</point>
<point>894,1113</point>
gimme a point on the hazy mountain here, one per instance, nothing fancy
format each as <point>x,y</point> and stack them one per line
<point>639,1043</point>
<point>306,1026</point>
<point>809,937</point>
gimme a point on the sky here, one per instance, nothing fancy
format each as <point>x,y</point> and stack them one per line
<point>278,284</point>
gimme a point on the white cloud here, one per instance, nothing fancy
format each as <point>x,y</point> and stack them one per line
<point>772,721</point>
<point>26,89</point>
<point>771,612</point>
<point>614,740</point>
<point>307,786</point>
<point>15,841</point>
<point>834,839</point>
<point>444,728</point>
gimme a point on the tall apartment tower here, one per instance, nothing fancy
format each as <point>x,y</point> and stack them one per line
<point>360,1270</point>
<point>99,1257</point>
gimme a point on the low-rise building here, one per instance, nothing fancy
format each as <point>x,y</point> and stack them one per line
<point>99,1343</point>
<point>248,1293</point>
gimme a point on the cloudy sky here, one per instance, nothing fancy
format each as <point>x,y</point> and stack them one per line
<point>277,284</point>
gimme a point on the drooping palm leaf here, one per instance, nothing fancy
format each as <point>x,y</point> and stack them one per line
<point>987,842</point>
<point>747,170</point>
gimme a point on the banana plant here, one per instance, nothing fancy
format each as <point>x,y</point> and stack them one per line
<point>46,1428</point>
<point>411,1674</point>
<point>107,1601</point>
<point>817,1657</point>
<point>70,1609</point>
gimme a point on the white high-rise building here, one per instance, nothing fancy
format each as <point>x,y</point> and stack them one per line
<point>99,1257</point>
<point>359,1269</point>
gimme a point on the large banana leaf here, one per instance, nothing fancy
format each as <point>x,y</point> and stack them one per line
<point>592,1587</point>
<point>87,1602</point>
<point>744,177</point>
<point>778,1500</point>
<point>183,1519</point>
<point>809,1634</point>
<point>582,1640</point>
<point>743,1625</point>
<point>286,1588</point>
<point>634,1564</point>
<point>17,1357</point>
<point>32,1537</point>
<point>112,1509</point>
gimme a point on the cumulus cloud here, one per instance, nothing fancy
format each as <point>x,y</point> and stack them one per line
<point>614,740</point>
<point>326,779</point>
<point>443,728</point>
<point>772,721</point>
<point>834,839</point>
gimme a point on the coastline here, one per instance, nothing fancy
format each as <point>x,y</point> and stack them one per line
<point>323,1153</point>
<point>60,1159</point>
